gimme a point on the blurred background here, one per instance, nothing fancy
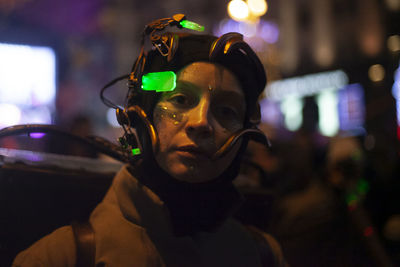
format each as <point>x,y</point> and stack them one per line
<point>331,107</point>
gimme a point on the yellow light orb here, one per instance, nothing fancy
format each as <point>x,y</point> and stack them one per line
<point>393,5</point>
<point>393,43</point>
<point>376,73</point>
<point>238,10</point>
<point>257,7</point>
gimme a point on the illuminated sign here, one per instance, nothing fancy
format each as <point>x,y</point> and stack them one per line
<point>27,84</point>
<point>306,85</point>
<point>340,105</point>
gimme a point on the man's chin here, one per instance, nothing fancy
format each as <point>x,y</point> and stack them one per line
<point>189,171</point>
<point>190,176</point>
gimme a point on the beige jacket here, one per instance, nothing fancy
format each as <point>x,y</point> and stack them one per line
<point>132,228</point>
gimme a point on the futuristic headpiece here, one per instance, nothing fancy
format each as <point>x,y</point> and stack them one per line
<point>155,72</point>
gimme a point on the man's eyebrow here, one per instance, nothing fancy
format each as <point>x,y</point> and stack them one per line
<point>182,86</point>
<point>185,85</point>
<point>232,97</point>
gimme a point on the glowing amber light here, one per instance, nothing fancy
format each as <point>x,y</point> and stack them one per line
<point>393,43</point>
<point>257,7</point>
<point>376,73</point>
<point>238,10</point>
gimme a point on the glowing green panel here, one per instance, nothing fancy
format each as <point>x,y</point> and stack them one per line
<point>363,186</point>
<point>192,25</point>
<point>159,81</point>
<point>136,151</point>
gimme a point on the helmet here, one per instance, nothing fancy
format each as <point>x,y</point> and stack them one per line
<point>229,51</point>
<point>173,51</point>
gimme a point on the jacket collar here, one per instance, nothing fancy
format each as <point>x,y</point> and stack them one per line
<point>152,200</point>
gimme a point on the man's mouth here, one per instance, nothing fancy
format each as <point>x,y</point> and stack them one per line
<point>193,151</point>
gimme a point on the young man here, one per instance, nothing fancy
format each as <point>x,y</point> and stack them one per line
<point>173,207</point>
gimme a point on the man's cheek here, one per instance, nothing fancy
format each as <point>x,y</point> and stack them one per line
<point>165,139</point>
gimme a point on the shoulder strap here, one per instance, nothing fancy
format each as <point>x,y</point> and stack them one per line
<point>85,244</point>
<point>264,248</point>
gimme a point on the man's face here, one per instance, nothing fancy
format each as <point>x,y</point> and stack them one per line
<point>195,120</point>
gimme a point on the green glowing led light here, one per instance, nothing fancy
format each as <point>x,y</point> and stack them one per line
<point>363,186</point>
<point>136,151</point>
<point>351,198</point>
<point>192,25</point>
<point>159,81</point>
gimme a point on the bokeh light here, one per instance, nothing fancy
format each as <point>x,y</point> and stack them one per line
<point>368,231</point>
<point>112,118</point>
<point>38,85</point>
<point>327,108</point>
<point>393,43</point>
<point>269,32</point>
<point>257,7</point>
<point>238,10</point>
<point>396,95</point>
<point>393,5</point>
<point>376,73</point>
<point>248,29</point>
<point>10,115</point>
<point>291,108</point>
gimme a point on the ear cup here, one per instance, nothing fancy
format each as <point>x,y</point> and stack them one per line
<point>224,44</point>
<point>129,140</point>
<point>255,118</point>
<point>122,117</point>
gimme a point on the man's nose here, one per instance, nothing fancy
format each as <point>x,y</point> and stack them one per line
<point>199,122</point>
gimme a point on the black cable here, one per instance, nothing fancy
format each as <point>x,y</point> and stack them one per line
<point>105,100</point>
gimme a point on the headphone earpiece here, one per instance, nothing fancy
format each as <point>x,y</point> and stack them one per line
<point>255,118</point>
<point>122,117</point>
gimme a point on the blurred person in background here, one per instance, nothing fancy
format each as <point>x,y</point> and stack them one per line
<point>326,216</point>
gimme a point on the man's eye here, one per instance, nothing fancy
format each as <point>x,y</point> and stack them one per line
<point>229,117</point>
<point>227,112</point>
<point>179,99</point>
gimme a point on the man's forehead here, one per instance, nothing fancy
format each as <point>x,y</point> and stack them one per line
<point>210,76</point>
<point>204,67</point>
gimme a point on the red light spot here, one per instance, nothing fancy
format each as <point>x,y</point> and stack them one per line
<point>398,132</point>
<point>368,231</point>
<point>352,206</point>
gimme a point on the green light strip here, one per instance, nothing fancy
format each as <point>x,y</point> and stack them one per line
<point>192,25</point>
<point>136,151</point>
